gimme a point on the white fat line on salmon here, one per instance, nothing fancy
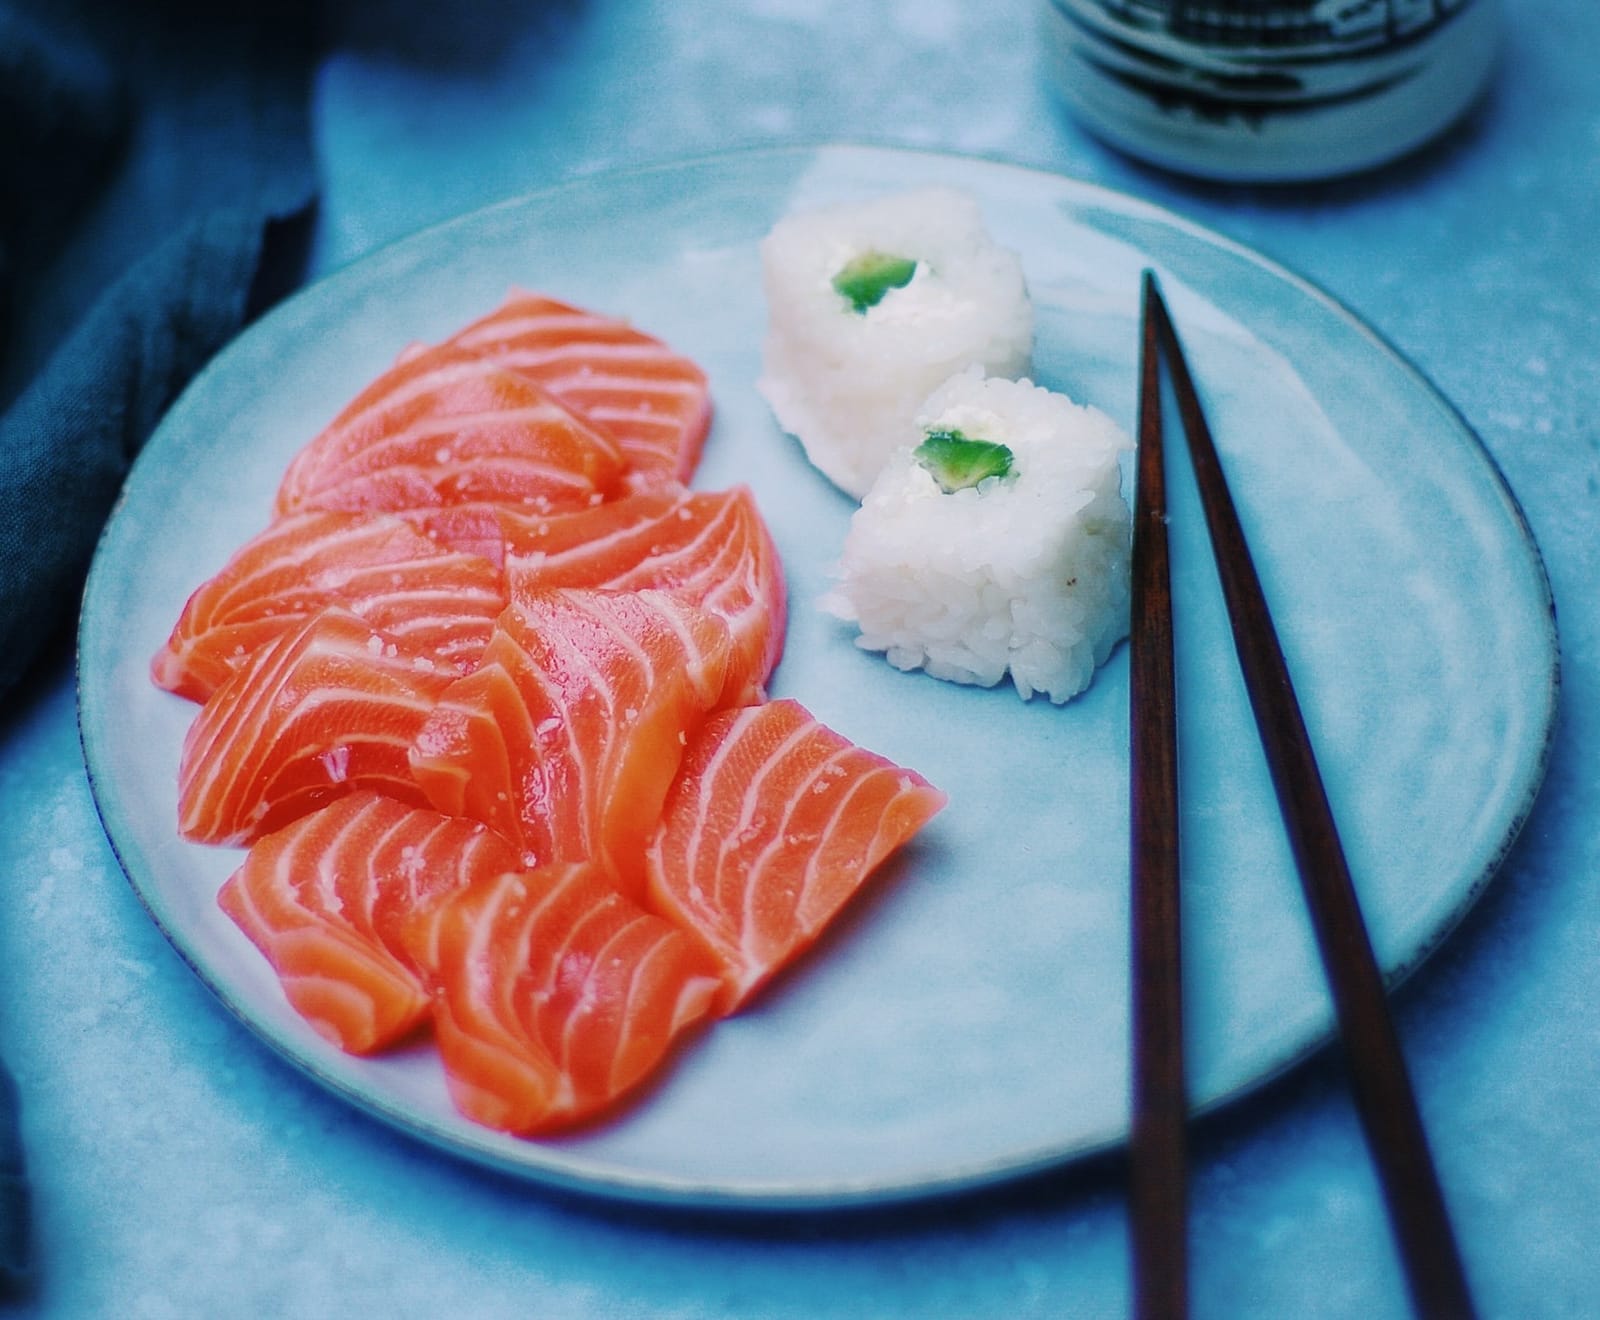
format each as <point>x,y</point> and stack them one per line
<point>612,354</point>
<point>828,770</point>
<point>452,371</point>
<point>496,328</point>
<point>591,388</point>
<point>455,427</point>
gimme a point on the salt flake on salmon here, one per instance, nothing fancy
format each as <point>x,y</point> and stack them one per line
<point>446,426</point>
<point>557,996</point>
<point>654,402</point>
<point>330,900</point>
<point>474,528</point>
<point>434,602</point>
<point>566,737</point>
<point>709,547</point>
<point>327,708</point>
<point>773,824</point>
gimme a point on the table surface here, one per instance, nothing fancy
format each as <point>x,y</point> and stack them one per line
<point>180,1169</point>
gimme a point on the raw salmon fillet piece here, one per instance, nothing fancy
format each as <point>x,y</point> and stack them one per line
<point>432,601</point>
<point>325,709</point>
<point>445,426</point>
<point>329,900</point>
<point>773,824</point>
<point>557,995</point>
<point>712,548</point>
<point>567,735</point>
<point>654,402</point>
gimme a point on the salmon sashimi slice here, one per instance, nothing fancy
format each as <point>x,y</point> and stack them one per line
<point>446,426</point>
<point>557,996</point>
<point>329,900</point>
<point>566,737</point>
<point>654,402</point>
<point>327,708</point>
<point>712,548</point>
<point>433,601</point>
<point>773,824</point>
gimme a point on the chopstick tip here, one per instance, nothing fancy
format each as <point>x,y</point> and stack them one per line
<point>1153,300</point>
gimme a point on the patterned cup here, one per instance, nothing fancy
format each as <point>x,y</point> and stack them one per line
<point>1270,90</point>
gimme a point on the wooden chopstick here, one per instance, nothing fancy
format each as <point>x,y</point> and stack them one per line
<point>1379,1080</point>
<point>1158,1180</point>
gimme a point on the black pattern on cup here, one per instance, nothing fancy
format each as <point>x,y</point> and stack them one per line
<point>1270,89</point>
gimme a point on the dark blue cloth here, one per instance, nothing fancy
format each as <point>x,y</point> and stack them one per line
<point>156,179</point>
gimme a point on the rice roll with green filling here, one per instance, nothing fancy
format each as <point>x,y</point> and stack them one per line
<point>997,542</point>
<point>870,307</point>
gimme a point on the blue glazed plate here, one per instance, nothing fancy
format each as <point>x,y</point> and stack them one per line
<point>967,1021</point>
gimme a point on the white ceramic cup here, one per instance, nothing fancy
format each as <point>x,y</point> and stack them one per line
<point>1270,90</point>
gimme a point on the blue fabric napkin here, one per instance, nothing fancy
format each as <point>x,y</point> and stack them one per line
<point>156,184</point>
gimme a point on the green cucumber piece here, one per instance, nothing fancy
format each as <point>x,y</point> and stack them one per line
<point>866,278</point>
<point>958,462</point>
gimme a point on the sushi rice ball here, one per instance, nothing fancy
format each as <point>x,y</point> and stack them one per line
<point>871,306</point>
<point>998,542</point>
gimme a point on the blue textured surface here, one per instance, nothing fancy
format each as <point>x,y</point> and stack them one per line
<point>181,1170</point>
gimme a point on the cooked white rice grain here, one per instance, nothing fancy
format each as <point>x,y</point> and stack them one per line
<point>1026,574</point>
<point>847,383</point>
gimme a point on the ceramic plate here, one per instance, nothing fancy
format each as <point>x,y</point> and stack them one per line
<point>967,1021</point>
